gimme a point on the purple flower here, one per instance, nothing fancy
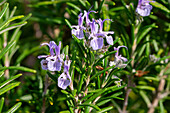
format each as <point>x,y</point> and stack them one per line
<point>44,64</point>
<point>96,43</point>
<point>52,62</point>
<point>109,39</point>
<point>144,8</point>
<point>78,30</point>
<point>119,60</point>
<point>64,80</point>
<point>87,17</point>
<point>97,35</point>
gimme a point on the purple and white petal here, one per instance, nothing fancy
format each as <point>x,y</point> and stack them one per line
<point>57,48</point>
<point>64,80</point>
<point>42,56</point>
<point>58,65</point>
<point>96,43</point>
<point>67,65</point>
<point>51,63</point>
<point>44,64</point>
<point>144,8</point>
<point>109,40</point>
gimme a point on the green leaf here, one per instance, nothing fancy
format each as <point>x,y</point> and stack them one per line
<point>1,103</point>
<point>147,45</point>
<point>14,108</point>
<point>87,96</point>
<point>160,6</point>
<point>13,26</point>
<point>101,5</point>
<point>161,106</point>
<point>146,88</point>
<point>5,7</point>
<point>145,97</point>
<point>26,97</point>
<point>6,49</point>
<point>65,111</point>
<point>101,91</point>
<point>1,73</point>
<point>9,80</point>
<point>152,78</point>
<point>100,72</point>
<point>105,109</point>
<point>72,5</point>
<point>10,20</point>
<point>48,3</point>
<point>144,31</point>
<point>18,68</point>
<point>99,60</point>
<point>82,3</point>
<point>114,96</point>
<point>91,105</point>
<point>9,87</point>
<point>68,23</point>
<point>103,102</point>
<point>80,83</point>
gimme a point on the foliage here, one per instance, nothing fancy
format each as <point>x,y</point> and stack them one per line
<point>96,86</point>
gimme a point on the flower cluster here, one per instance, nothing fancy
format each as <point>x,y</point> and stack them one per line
<point>54,62</point>
<point>144,8</point>
<point>93,30</point>
<point>119,61</point>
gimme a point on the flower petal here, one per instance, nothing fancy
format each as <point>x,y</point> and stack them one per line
<point>109,40</point>
<point>44,64</point>
<point>96,43</point>
<point>64,80</point>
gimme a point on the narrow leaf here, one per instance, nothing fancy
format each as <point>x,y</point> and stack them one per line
<point>14,108</point>
<point>105,109</point>
<point>91,105</point>
<point>4,10</point>
<point>160,6</point>
<point>1,104</point>
<point>9,87</point>
<point>19,68</point>
<point>9,80</point>
<point>6,49</point>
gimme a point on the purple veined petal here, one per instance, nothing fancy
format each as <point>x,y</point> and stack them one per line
<point>64,80</point>
<point>94,27</point>
<point>100,22</point>
<point>96,43</point>
<point>58,66</point>
<point>51,63</point>
<point>144,8</point>
<point>80,34</point>
<point>80,19</point>
<point>109,40</point>
<point>143,12</point>
<point>44,44</point>
<point>67,65</point>
<point>57,48</point>
<point>42,56</point>
<point>44,64</point>
<point>117,49</point>
<point>87,16</point>
<point>74,32</point>
<point>52,44</point>
<point>122,58</point>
